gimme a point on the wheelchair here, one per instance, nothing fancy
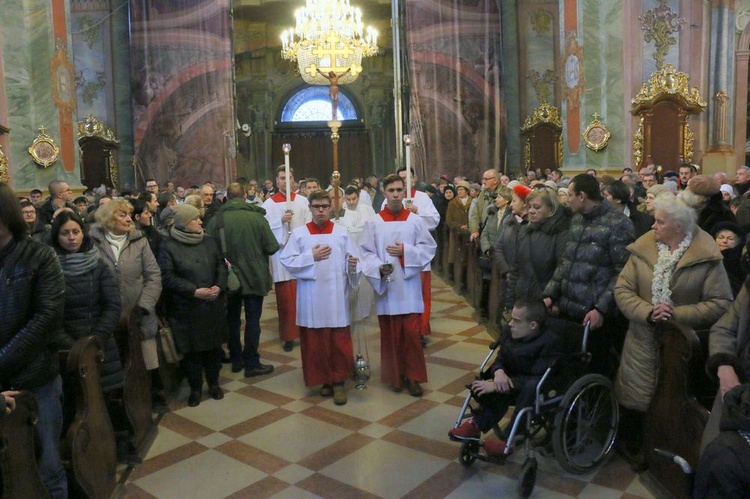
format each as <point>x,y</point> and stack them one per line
<point>574,414</point>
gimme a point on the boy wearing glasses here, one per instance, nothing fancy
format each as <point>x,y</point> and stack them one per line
<point>527,348</point>
<point>320,255</point>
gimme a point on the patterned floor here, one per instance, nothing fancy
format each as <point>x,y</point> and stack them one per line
<point>273,437</point>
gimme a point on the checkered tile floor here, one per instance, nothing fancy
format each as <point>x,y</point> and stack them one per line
<point>273,437</point>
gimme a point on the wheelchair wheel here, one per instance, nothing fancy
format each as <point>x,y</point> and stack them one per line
<point>586,424</point>
<point>469,452</point>
<point>527,480</point>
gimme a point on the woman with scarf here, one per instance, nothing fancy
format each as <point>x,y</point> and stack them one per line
<point>194,275</point>
<point>674,273</point>
<point>126,252</point>
<point>92,300</point>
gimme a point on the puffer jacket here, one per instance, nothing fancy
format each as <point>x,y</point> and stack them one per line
<point>539,249</point>
<point>31,307</point>
<point>700,295</point>
<point>137,274</point>
<point>594,255</point>
<point>92,308</point>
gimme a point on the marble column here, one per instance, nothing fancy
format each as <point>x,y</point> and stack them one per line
<point>721,71</point>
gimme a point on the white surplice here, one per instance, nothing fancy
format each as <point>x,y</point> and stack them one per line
<point>322,286</point>
<point>275,207</point>
<point>354,222</point>
<point>404,294</point>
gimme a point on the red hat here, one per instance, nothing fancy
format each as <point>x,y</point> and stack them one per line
<point>521,191</point>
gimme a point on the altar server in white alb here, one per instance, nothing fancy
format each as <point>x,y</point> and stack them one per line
<point>396,247</point>
<point>282,222</point>
<point>353,218</point>
<point>319,255</point>
<point>421,204</point>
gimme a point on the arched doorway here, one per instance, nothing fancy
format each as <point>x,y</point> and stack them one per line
<point>302,121</point>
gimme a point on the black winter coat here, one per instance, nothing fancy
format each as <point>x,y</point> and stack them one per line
<point>31,308</point>
<point>197,325</point>
<point>92,308</point>
<point>539,249</point>
<point>527,356</point>
<point>595,253</point>
<point>713,213</point>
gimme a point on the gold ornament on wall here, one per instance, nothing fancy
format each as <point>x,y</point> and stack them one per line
<point>541,21</point>
<point>638,143</point>
<point>669,80</point>
<point>43,150</point>
<point>596,136</point>
<point>542,83</point>
<point>658,25</point>
<point>4,177</point>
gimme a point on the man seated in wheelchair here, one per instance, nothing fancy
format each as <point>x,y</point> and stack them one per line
<point>527,348</point>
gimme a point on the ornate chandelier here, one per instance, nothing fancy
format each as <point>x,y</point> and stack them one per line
<point>329,37</point>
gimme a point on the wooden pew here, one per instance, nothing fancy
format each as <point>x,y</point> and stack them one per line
<point>18,469</point>
<point>458,242</point>
<point>137,386</point>
<point>88,448</point>
<point>476,292</point>
<point>676,420</point>
<point>446,268</point>
<point>494,310</point>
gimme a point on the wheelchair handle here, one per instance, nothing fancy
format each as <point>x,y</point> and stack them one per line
<point>494,344</point>
<point>678,460</point>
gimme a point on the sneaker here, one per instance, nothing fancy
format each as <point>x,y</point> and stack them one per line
<point>259,370</point>
<point>339,395</point>
<point>288,346</point>
<point>494,448</point>
<point>194,399</point>
<point>216,392</point>
<point>326,391</point>
<point>467,431</point>
<point>414,389</point>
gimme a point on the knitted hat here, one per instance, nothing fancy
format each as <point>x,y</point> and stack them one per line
<point>659,189</point>
<point>521,191</point>
<point>551,184</point>
<point>704,185</point>
<point>464,184</point>
<point>184,214</point>
<point>475,186</point>
<point>166,217</point>
<point>671,185</point>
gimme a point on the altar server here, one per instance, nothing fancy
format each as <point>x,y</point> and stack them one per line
<point>396,247</point>
<point>283,217</point>
<point>320,255</point>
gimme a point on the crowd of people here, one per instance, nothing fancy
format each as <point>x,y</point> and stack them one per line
<point>622,253</point>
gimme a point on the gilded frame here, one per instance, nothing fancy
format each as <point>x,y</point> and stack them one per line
<point>43,150</point>
<point>596,136</point>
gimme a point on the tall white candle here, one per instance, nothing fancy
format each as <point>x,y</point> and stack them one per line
<point>287,148</point>
<point>407,141</point>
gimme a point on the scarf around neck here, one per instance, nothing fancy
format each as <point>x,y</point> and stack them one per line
<point>664,268</point>
<point>75,264</point>
<point>190,238</point>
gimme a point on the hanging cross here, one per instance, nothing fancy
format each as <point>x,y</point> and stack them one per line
<point>331,50</point>
<point>42,129</point>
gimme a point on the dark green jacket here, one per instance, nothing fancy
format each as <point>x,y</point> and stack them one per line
<point>249,244</point>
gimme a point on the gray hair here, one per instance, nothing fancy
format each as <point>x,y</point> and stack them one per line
<point>677,211</point>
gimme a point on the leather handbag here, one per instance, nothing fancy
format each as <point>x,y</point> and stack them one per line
<point>171,355</point>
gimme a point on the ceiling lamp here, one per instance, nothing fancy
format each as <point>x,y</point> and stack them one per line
<point>329,40</point>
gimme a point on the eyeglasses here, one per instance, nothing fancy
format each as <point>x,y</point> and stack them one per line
<point>484,179</point>
<point>319,206</point>
<point>31,212</point>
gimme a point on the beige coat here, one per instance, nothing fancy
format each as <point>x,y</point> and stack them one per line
<point>700,294</point>
<point>139,279</point>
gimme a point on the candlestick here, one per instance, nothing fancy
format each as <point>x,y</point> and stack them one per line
<point>407,141</point>
<point>287,148</point>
